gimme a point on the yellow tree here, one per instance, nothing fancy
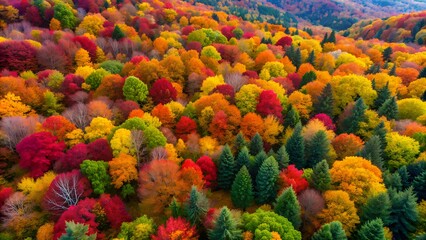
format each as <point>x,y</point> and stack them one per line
<point>121,142</point>
<point>11,105</point>
<point>35,189</point>
<point>272,130</point>
<point>122,170</point>
<point>302,102</point>
<point>99,128</point>
<point>82,58</point>
<point>358,177</point>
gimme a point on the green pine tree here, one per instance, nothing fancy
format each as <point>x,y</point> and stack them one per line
<point>383,94</point>
<point>311,58</point>
<point>392,180</point>
<point>351,123</point>
<point>423,97</point>
<point>419,186</point>
<point>377,207</point>
<point>226,169</point>
<point>330,231</point>
<point>296,147</point>
<point>292,117</point>
<point>325,39</point>
<point>256,145</point>
<point>197,206</point>
<point>324,102</point>
<point>176,208</point>
<point>257,162</point>
<point>117,34</point>
<point>266,181</point>
<point>225,227</point>
<point>392,72</point>
<point>332,38</point>
<point>422,73</point>
<point>389,109</point>
<point>404,215</point>
<point>240,142</point>
<point>317,149</point>
<point>387,54</point>
<point>372,230</point>
<point>381,132</point>
<point>321,178</point>
<point>282,157</point>
<point>288,206</point>
<point>77,231</point>
<point>372,151</point>
<point>297,61</point>
<point>405,177</point>
<point>242,189</point>
<point>307,78</point>
<point>243,158</point>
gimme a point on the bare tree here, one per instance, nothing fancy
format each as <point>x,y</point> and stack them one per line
<point>78,114</point>
<point>158,153</point>
<point>16,128</point>
<point>16,205</point>
<point>236,80</point>
<point>138,141</point>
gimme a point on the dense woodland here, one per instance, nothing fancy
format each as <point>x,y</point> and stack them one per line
<point>164,120</point>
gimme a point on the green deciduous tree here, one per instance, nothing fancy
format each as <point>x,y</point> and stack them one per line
<point>97,173</point>
<point>77,231</point>
<point>135,90</point>
<point>63,12</point>
<point>330,231</point>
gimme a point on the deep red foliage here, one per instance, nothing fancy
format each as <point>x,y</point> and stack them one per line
<point>248,35</point>
<point>219,125</point>
<point>184,127</point>
<point>269,104</point>
<point>72,158</point>
<point>295,79</point>
<point>70,85</point>
<point>228,53</point>
<point>324,118</point>
<point>5,193</point>
<point>18,55</point>
<point>194,46</point>
<point>209,170</point>
<point>284,41</point>
<point>144,26</point>
<point>187,30</point>
<point>33,16</point>
<point>286,83</point>
<point>210,217</point>
<point>226,90</point>
<point>188,163</point>
<point>176,227</point>
<point>88,45</point>
<point>99,150</point>
<point>38,152</point>
<point>291,176</point>
<point>124,107</point>
<point>115,210</point>
<point>162,91</point>
<point>251,74</point>
<point>227,31</point>
<point>137,59</point>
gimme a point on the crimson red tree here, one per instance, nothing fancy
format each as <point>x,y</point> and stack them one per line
<point>99,150</point>
<point>176,227</point>
<point>269,104</point>
<point>115,210</point>
<point>88,45</point>
<point>162,91</point>
<point>18,56</point>
<point>184,127</point>
<point>291,176</point>
<point>209,170</point>
<point>72,158</point>
<point>284,41</point>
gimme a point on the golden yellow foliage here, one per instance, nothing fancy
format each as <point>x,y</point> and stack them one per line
<point>122,170</point>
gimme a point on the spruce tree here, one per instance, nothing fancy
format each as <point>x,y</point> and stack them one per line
<point>266,181</point>
<point>389,109</point>
<point>197,206</point>
<point>296,147</point>
<point>317,149</point>
<point>405,177</point>
<point>282,157</point>
<point>419,185</point>
<point>243,158</point>
<point>307,78</point>
<point>351,123</point>
<point>422,73</point>
<point>337,231</point>
<point>225,227</point>
<point>330,231</point>
<point>372,230</point>
<point>117,34</point>
<point>383,94</point>
<point>381,132</point>
<point>226,170</point>
<point>321,178</point>
<point>324,102</point>
<point>377,207</point>
<point>242,189</point>
<point>404,215</point>
<point>288,206</point>
<point>392,72</point>
<point>176,208</point>
<point>423,97</point>
<point>258,161</point>
<point>292,117</point>
<point>297,59</point>
<point>240,142</point>
<point>392,180</point>
<point>256,145</point>
<point>387,54</point>
<point>372,151</point>
<point>332,38</point>
<point>311,58</point>
<point>325,39</point>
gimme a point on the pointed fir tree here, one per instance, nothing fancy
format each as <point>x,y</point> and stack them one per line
<point>256,145</point>
<point>392,180</point>
<point>325,39</point>
<point>311,58</point>
<point>330,231</point>
<point>77,231</point>
<point>288,206</point>
<point>242,189</point>
<point>225,227</point>
<point>296,147</point>
<point>197,206</point>
<point>381,132</point>
<point>307,78</point>
<point>422,73</point>
<point>332,38</point>
<point>423,97</point>
<point>377,207</point>
<point>389,109</point>
<point>243,158</point>
<point>405,177</point>
<point>387,54</point>
<point>282,158</point>
<point>117,34</point>
<point>372,230</point>
<point>266,181</point>
<point>372,151</point>
<point>321,178</point>
<point>297,59</point>
<point>290,52</point>
<point>292,117</point>
<point>240,142</point>
<point>351,123</point>
<point>226,170</point>
<point>317,149</point>
<point>392,72</point>
<point>419,186</point>
<point>257,162</point>
<point>383,94</point>
<point>176,208</point>
<point>404,215</point>
<point>325,101</point>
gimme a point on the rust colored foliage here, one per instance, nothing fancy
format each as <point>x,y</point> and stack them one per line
<point>59,126</point>
<point>251,124</point>
<point>18,56</point>
<point>109,86</point>
<point>191,173</point>
<point>218,126</point>
<point>164,114</point>
<point>347,145</point>
<point>176,228</point>
<point>292,177</point>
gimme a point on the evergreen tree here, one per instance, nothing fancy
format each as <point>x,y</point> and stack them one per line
<point>383,94</point>
<point>117,34</point>
<point>404,215</point>
<point>422,73</point>
<point>311,58</point>
<point>351,123</point>
<point>290,52</point>
<point>372,230</point>
<point>405,177</point>
<point>77,231</point>
<point>240,142</point>
<point>176,208</point>
<point>197,206</point>
<point>372,151</point>
<point>381,132</point>
<point>419,185</point>
<point>243,158</point>
<point>377,207</point>
<point>325,39</point>
<point>321,178</point>
<point>258,161</point>
<point>324,102</point>
<point>389,109</point>
<point>296,147</point>
<point>392,180</point>
<point>307,78</point>
<point>317,149</point>
<point>332,38</point>
<point>392,72</point>
<point>225,227</point>
<point>387,54</point>
<point>287,31</point>
<point>266,181</point>
<point>288,206</point>
<point>297,61</point>
<point>292,117</point>
<point>215,17</point>
<point>330,231</point>
<point>242,189</point>
<point>256,145</point>
<point>282,157</point>
<point>226,170</point>
<point>423,97</point>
